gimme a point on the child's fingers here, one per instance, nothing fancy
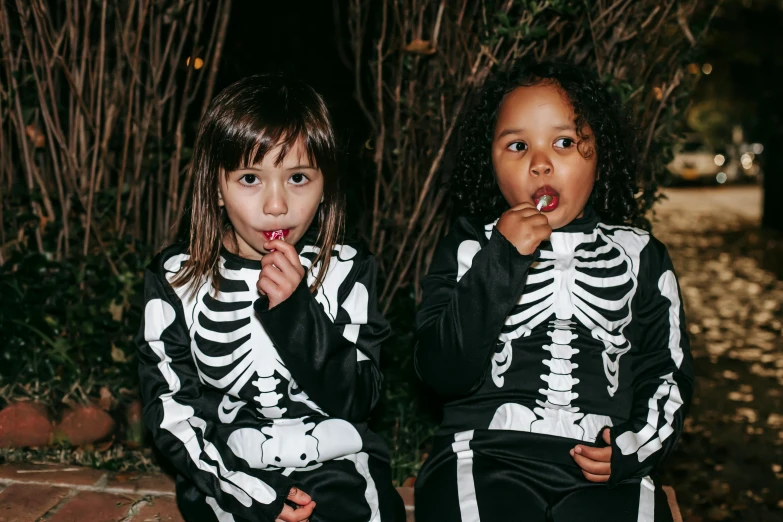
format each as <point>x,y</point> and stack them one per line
<point>285,279</point>
<point>297,496</point>
<point>275,258</point>
<point>527,212</point>
<point>279,268</point>
<point>283,264</point>
<point>287,249</point>
<point>592,466</point>
<point>538,220</point>
<point>595,478</point>
<point>607,436</point>
<point>524,204</point>
<point>598,454</point>
<point>267,287</point>
<point>275,274</point>
<point>296,515</point>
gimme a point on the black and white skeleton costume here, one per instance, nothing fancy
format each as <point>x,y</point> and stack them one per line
<point>247,402</point>
<point>535,354</point>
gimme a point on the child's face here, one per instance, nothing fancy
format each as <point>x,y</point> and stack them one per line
<point>266,198</point>
<point>534,153</point>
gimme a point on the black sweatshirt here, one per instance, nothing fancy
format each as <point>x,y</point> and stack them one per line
<point>237,396</point>
<point>586,333</point>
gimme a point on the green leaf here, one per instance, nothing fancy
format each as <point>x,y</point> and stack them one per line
<point>538,32</point>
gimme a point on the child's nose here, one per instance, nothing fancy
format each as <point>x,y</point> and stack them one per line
<point>275,203</point>
<point>540,164</point>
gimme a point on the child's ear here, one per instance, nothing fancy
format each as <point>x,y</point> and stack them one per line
<point>220,198</point>
<point>322,197</point>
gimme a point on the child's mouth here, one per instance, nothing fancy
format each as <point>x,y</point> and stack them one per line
<point>546,199</point>
<point>271,235</point>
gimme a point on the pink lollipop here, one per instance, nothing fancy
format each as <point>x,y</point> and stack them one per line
<point>277,234</point>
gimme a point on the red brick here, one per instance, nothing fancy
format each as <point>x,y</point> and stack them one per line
<point>28,502</point>
<point>144,484</point>
<point>95,507</point>
<point>160,509</point>
<point>54,474</point>
<point>24,424</point>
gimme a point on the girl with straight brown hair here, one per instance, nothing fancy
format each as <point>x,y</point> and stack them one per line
<point>259,347</point>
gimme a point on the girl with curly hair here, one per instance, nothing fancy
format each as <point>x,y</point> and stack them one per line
<point>552,328</point>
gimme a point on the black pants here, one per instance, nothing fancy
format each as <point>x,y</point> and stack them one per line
<point>508,476</point>
<point>340,488</point>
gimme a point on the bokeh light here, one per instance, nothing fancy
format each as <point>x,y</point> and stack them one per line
<point>198,63</point>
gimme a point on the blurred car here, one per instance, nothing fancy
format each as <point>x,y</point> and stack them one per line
<point>694,161</point>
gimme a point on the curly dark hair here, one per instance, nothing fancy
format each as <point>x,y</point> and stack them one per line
<point>473,187</point>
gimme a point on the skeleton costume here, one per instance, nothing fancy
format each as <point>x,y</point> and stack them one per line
<point>536,354</point>
<point>248,402</point>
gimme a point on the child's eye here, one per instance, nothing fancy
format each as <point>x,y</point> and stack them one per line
<point>248,179</point>
<point>564,143</point>
<point>518,146</point>
<point>299,179</point>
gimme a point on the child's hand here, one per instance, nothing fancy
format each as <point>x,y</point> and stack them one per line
<point>304,509</point>
<point>281,272</point>
<point>595,462</point>
<point>525,227</point>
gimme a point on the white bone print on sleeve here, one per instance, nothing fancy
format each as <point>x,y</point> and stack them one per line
<point>180,420</point>
<point>650,438</point>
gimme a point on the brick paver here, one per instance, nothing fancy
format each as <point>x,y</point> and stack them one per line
<point>95,507</point>
<point>28,502</point>
<point>140,484</point>
<point>159,509</point>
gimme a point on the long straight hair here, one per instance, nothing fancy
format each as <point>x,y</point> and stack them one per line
<point>242,124</point>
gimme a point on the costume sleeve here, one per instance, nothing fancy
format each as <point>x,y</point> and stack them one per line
<point>467,295</point>
<point>181,413</point>
<point>663,378</point>
<point>331,341</point>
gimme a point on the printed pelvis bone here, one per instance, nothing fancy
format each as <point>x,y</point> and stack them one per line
<point>293,443</point>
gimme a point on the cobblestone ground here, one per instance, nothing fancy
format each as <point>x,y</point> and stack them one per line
<point>727,465</point>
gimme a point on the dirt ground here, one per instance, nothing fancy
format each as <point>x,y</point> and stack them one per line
<point>728,463</point>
